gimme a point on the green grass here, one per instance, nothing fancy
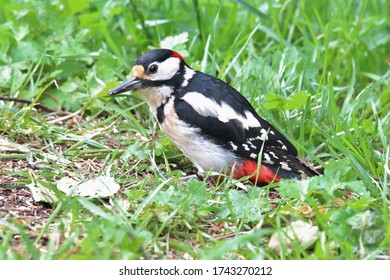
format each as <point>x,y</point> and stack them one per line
<point>317,70</point>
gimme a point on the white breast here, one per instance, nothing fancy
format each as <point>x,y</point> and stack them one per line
<point>156,97</point>
<point>202,152</point>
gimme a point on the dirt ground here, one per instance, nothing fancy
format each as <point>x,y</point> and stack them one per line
<point>16,202</point>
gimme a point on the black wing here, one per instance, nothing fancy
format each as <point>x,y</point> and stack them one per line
<point>245,141</point>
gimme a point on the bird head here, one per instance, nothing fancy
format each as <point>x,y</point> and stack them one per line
<point>153,69</point>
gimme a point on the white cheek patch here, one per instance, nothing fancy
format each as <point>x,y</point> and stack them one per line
<point>166,70</point>
<point>224,112</point>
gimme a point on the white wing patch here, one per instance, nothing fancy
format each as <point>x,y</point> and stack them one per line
<point>264,134</point>
<point>235,147</point>
<point>284,165</point>
<point>283,146</point>
<point>273,155</point>
<point>251,119</point>
<point>209,108</point>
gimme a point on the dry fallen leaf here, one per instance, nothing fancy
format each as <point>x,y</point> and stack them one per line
<point>41,193</point>
<point>102,186</point>
<point>7,146</point>
<point>297,231</point>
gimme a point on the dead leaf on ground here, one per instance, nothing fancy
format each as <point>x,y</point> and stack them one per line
<point>303,233</point>
<point>102,186</point>
<point>11,147</point>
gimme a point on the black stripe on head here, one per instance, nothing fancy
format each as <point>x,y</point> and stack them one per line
<point>157,55</point>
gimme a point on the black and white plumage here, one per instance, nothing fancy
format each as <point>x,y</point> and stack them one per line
<point>211,122</point>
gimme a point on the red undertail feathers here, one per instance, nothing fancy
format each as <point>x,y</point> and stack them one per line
<point>263,174</point>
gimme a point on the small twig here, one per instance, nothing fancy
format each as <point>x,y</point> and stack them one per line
<point>36,105</point>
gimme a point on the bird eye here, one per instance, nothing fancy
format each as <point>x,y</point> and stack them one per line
<point>153,68</point>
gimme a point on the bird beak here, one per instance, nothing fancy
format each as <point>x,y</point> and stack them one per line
<point>131,84</point>
<point>135,82</point>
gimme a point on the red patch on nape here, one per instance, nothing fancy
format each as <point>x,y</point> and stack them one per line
<point>260,175</point>
<point>178,55</point>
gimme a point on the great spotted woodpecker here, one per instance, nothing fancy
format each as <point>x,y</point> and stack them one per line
<point>211,122</point>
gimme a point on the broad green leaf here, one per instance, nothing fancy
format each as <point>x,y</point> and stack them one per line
<point>296,100</point>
